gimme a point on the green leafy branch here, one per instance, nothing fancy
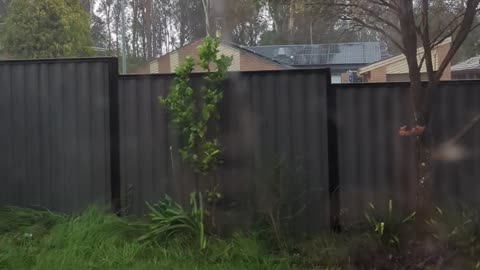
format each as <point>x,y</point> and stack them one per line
<point>192,110</point>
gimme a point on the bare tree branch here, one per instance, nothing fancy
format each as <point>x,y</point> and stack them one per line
<point>449,27</point>
<point>377,29</point>
<point>473,122</point>
<point>427,50</point>
<point>462,34</point>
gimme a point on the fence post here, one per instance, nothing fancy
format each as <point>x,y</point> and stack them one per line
<point>333,166</point>
<point>114,137</point>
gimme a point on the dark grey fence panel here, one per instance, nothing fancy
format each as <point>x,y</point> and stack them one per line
<point>146,164</point>
<point>457,174</point>
<point>55,138</point>
<point>72,135</point>
<point>377,165</point>
<point>275,147</point>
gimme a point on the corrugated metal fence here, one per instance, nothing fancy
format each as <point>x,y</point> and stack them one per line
<point>75,133</point>
<point>55,132</point>
<point>274,135</point>
<point>377,165</point>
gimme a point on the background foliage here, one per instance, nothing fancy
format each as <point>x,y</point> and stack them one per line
<point>156,27</point>
<point>46,29</point>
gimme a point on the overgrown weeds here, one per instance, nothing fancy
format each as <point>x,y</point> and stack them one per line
<point>95,239</point>
<point>98,240</point>
<point>386,241</point>
<point>15,219</point>
<point>386,228</point>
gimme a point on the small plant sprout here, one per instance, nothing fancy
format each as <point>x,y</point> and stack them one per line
<point>385,228</point>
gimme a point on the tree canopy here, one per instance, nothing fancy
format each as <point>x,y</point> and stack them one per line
<point>46,29</point>
<point>156,27</point>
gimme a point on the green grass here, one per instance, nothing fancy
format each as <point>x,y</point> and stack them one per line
<point>96,240</point>
<point>41,240</point>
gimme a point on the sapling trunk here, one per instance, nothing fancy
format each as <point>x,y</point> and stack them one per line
<point>424,182</point>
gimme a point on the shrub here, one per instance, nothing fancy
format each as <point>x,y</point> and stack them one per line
<point>386,228</point>
<point>169,220</point>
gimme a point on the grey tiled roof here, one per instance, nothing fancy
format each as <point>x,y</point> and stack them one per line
<point>322,54</point>
<point>472,63</point>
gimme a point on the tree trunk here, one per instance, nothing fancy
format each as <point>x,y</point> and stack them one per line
<point>424,169</point>
<point>134,29</point>
<point>106,8</point>
<point>183,25</point>
<point>424,182</point>
<point>423,160</point>
<point>117,29</point>
<point>424,179</point>
<point>206,11</point>
<point>311,31</point>
<point>291,22</point>
<point>148,28</point>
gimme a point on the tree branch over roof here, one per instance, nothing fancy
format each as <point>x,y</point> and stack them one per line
<point>380,30</point>
<point>376,15</point>
<point>466,26</point>
<point>386,17</point>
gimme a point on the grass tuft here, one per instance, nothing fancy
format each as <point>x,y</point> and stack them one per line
<point>95,239</point>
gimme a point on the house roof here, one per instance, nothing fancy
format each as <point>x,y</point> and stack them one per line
<point>322,54</point>
<point>253,53</point>
<point>398,58</point>
<point>470,64</point>
<point>232,45</point>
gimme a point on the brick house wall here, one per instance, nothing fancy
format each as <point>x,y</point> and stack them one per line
<point>396,70</point>
<point>249,62</point>
<point>441,54</point>
<point>378,75</point>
